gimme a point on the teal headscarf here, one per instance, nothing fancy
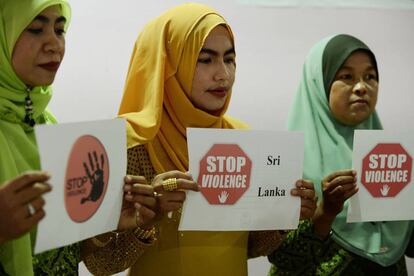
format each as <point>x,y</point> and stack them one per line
<point>328,148</point>
<point>18,150</point>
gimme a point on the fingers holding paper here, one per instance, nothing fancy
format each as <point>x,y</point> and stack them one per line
<point>139,206</point>
<point>171,190</point>
<point>305,190</point>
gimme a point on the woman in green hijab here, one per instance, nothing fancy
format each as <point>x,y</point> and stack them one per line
<point>32,46</point>
<point>338,94</point>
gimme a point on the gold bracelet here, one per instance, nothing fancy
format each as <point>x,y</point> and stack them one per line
<point>99,243</point>
<point>144,234</point>
<point>119,232</point>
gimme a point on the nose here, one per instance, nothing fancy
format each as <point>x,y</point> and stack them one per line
<point>53,43</point>
<point>360,87</point>
<point>222,72</point>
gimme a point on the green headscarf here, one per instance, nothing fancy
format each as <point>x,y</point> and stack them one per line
<point>328,148</point>
<point>17,141</point>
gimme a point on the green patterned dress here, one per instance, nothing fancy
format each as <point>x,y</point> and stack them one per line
<point>61,261</point>
<point>303,253</point>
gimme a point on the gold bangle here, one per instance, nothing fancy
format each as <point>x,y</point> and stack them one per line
<point>119,232</point>
<point>99,243</point>
<point>144,234</point>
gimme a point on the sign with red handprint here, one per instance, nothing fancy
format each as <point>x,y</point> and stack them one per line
<point>87,177</point>
<point>87,162</point>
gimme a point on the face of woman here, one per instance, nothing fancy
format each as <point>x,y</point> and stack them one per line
<point>40,48</point>
<point>354,91</point>
<point>214,72</point>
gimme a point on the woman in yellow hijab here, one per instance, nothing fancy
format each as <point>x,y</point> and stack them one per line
<point>181,75</point>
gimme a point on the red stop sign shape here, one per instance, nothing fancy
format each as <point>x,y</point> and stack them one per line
<point>386,170</point>
<point>224,174</point>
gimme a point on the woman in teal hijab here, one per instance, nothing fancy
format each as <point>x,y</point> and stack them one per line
<point>338,94</point>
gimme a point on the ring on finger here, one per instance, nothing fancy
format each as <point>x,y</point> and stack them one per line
<point>170,184</point>
<point>31,209</point>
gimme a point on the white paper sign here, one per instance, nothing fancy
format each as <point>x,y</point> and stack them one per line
<point>245,177</point>
<point>87,163</point>
<point>383,161</point>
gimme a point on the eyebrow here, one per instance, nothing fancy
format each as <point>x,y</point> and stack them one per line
<point>215,53</point>
<point>351,68</point>
<point>45,19</point>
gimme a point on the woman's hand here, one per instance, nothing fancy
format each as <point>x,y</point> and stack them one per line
<point>172,200</point>
<point>306,191</point>
<point>21,204</point>
<point>138,208</point>
<point>336,189</point>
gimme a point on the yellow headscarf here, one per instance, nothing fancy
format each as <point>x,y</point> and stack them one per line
<point>156,99</point>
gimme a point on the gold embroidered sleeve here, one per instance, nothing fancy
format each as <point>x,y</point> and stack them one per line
<point>114,252</point>
<point>139,163</point>
<point>262,243</point>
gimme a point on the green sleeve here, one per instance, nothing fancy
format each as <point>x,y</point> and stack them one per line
<point>60,261</point>
<point>301,253</point>
<point>409,252</point>
<point>2,272</point>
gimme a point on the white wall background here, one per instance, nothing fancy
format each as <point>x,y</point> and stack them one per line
<point>271,46</point>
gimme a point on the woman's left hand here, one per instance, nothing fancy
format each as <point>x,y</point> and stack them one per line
<point>306,191</point>
<point>138,207</point>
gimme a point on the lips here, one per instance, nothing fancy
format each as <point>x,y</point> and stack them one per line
<point>360,101</point>
<point>219,92</point>
<point>50,66</point>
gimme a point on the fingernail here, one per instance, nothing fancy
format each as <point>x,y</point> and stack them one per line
<point>129,197</point>
<point>137,205</point>
<point>127,188</point>
<point>294,192</point>
<point>43,186</point>
<point>128,178</point>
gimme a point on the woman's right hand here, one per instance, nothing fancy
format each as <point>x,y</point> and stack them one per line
<point>168,201</point>
<point>336,189</point>
<point>16,196</point>
<point>138,208</point>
